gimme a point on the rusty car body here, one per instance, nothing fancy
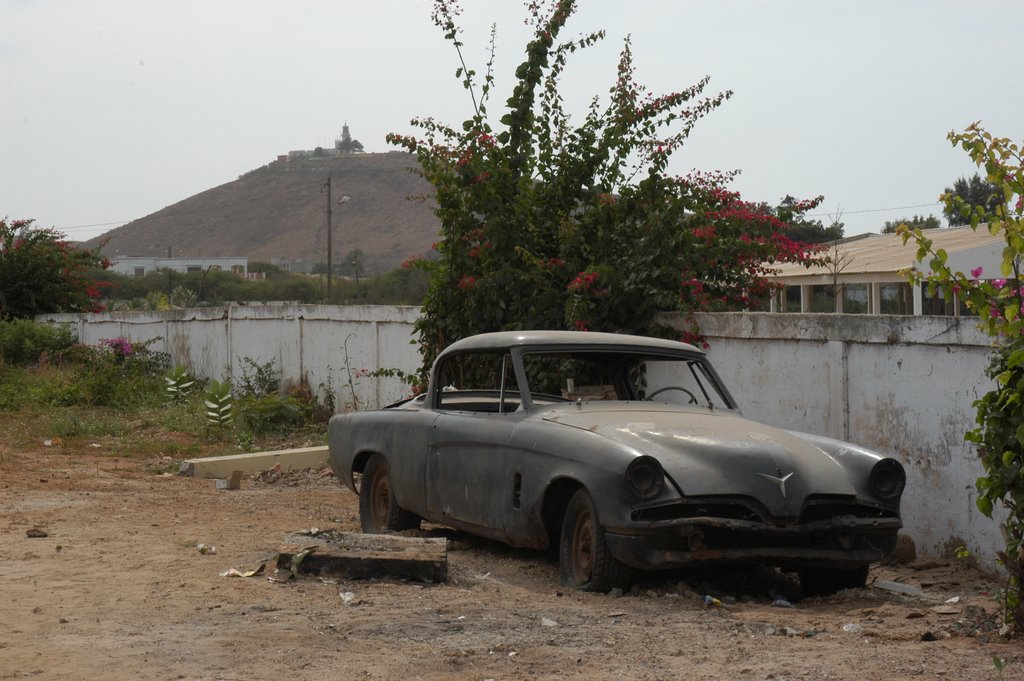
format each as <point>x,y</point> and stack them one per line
<point>625,453</point>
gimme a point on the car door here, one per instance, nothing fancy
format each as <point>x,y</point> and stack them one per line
<point>471,468</point>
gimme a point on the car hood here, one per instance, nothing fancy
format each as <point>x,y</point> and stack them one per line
<point>719,453</point>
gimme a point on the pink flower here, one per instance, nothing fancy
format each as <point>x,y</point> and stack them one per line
<point>976,272</point>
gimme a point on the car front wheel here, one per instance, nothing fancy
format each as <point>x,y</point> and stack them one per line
<point>379,512</point>
<point>584,561</point>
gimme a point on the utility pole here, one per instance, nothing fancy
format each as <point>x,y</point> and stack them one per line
<point>330,229</point>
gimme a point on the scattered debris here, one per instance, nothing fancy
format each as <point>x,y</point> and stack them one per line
<point>206,549</point>
<point>954,599</point>
<point>233,572</point>
<point>294,565</point>
<point>95,445</point>
<point>945,610</point>
<point>53,442</point>
<point>712,602</point>
<point>545,622</point>
<point>35,533</point>
<point>781,603</point>
<point>897,587</point>
<point>349,598</point>
<point>852,628</point>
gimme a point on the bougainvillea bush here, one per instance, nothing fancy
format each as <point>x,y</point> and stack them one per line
<point>998,300</point>
<point>549,222</point>
<point>40,272</point>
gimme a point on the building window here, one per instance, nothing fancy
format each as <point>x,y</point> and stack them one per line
<point>194,268</point>
<point>823,299</point>
<point>936,303</point>
<point>238,269</point>
<point>855,298</point>
<point>791,302</point>
<point>896,298</point>
<point>140,271</point>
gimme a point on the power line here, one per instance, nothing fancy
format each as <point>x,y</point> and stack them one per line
<point>873,210</point>
<point>98,224</point>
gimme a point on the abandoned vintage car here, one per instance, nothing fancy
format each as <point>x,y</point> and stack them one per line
<point>623,453</point>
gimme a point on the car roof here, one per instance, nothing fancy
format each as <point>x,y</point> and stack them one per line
<point>570,340</point>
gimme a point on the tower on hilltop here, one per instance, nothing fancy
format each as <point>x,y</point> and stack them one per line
<point>345,144</point>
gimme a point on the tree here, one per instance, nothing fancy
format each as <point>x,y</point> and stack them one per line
<point>550,224</point>
<point>916,222</point>
<point>964,195</point>
<point>804,230</point>
<point>999,302</point>
<point>40,272</point>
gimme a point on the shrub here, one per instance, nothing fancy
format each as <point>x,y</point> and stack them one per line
<point>274,414</point>
<point>23,341</point>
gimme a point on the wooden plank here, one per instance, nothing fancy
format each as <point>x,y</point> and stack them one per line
<point>365,556</point>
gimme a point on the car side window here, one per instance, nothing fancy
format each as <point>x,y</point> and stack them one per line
<point>478,382</point>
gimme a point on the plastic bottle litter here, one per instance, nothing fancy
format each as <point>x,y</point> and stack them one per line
<point>712,602</point>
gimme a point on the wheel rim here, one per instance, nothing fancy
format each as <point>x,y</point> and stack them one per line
<point>583,548</point>
<point>380,498</point>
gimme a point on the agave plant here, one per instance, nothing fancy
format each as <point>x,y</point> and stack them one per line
<point>178,385</point>
<point>219,403</point>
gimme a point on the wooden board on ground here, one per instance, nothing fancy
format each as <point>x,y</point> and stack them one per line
<point>366,556</point>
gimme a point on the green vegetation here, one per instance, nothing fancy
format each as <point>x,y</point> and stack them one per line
<point>41,273</point>
<point>121,398</point>
<point>163,290</point>
<point>553,223</point>
<point>998,299</point>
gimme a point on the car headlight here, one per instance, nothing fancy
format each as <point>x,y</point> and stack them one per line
<point>887,479</point>
<point>645,477</point>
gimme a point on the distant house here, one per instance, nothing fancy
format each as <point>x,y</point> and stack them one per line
<point>863,275</point>
<point>140,266</point>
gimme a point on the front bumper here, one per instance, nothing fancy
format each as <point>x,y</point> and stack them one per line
<point>843,542</point>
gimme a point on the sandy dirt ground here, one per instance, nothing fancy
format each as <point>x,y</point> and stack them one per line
<point>119,589</point>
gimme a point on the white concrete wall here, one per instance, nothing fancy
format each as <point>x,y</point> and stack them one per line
<point>306,342</point>
<point>901,385</point>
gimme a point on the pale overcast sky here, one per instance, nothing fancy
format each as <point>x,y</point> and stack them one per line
<point>113,109</point>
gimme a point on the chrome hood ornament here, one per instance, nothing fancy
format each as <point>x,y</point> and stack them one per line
<point>780,481</point>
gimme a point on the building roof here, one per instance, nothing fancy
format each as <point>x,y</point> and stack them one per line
<point>880,257</point>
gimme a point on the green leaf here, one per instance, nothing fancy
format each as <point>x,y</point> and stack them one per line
<point>984,505</point>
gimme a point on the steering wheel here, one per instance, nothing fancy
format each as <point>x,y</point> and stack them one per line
<point>693,398</point>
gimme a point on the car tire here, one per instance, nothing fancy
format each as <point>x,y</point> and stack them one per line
<point>584,561</point>
<point>379,512</point>
<point>827,581</point>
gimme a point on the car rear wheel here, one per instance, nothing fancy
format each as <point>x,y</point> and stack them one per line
<point>379,512</point>
<point>584,561</point>
<point>827,581</point>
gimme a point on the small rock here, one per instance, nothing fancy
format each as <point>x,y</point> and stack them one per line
<point>35,533</point>
<point>852,628</point>
<point>928,636</point>
<point>781,603</point>
<point>545,622</point>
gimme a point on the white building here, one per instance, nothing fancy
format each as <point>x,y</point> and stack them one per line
<point>140,266</point>
<point>863,274</point>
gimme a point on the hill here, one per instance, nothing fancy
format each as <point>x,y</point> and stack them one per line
<point>278,212</point>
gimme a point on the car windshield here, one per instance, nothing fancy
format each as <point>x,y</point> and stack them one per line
<point>598,376</point>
